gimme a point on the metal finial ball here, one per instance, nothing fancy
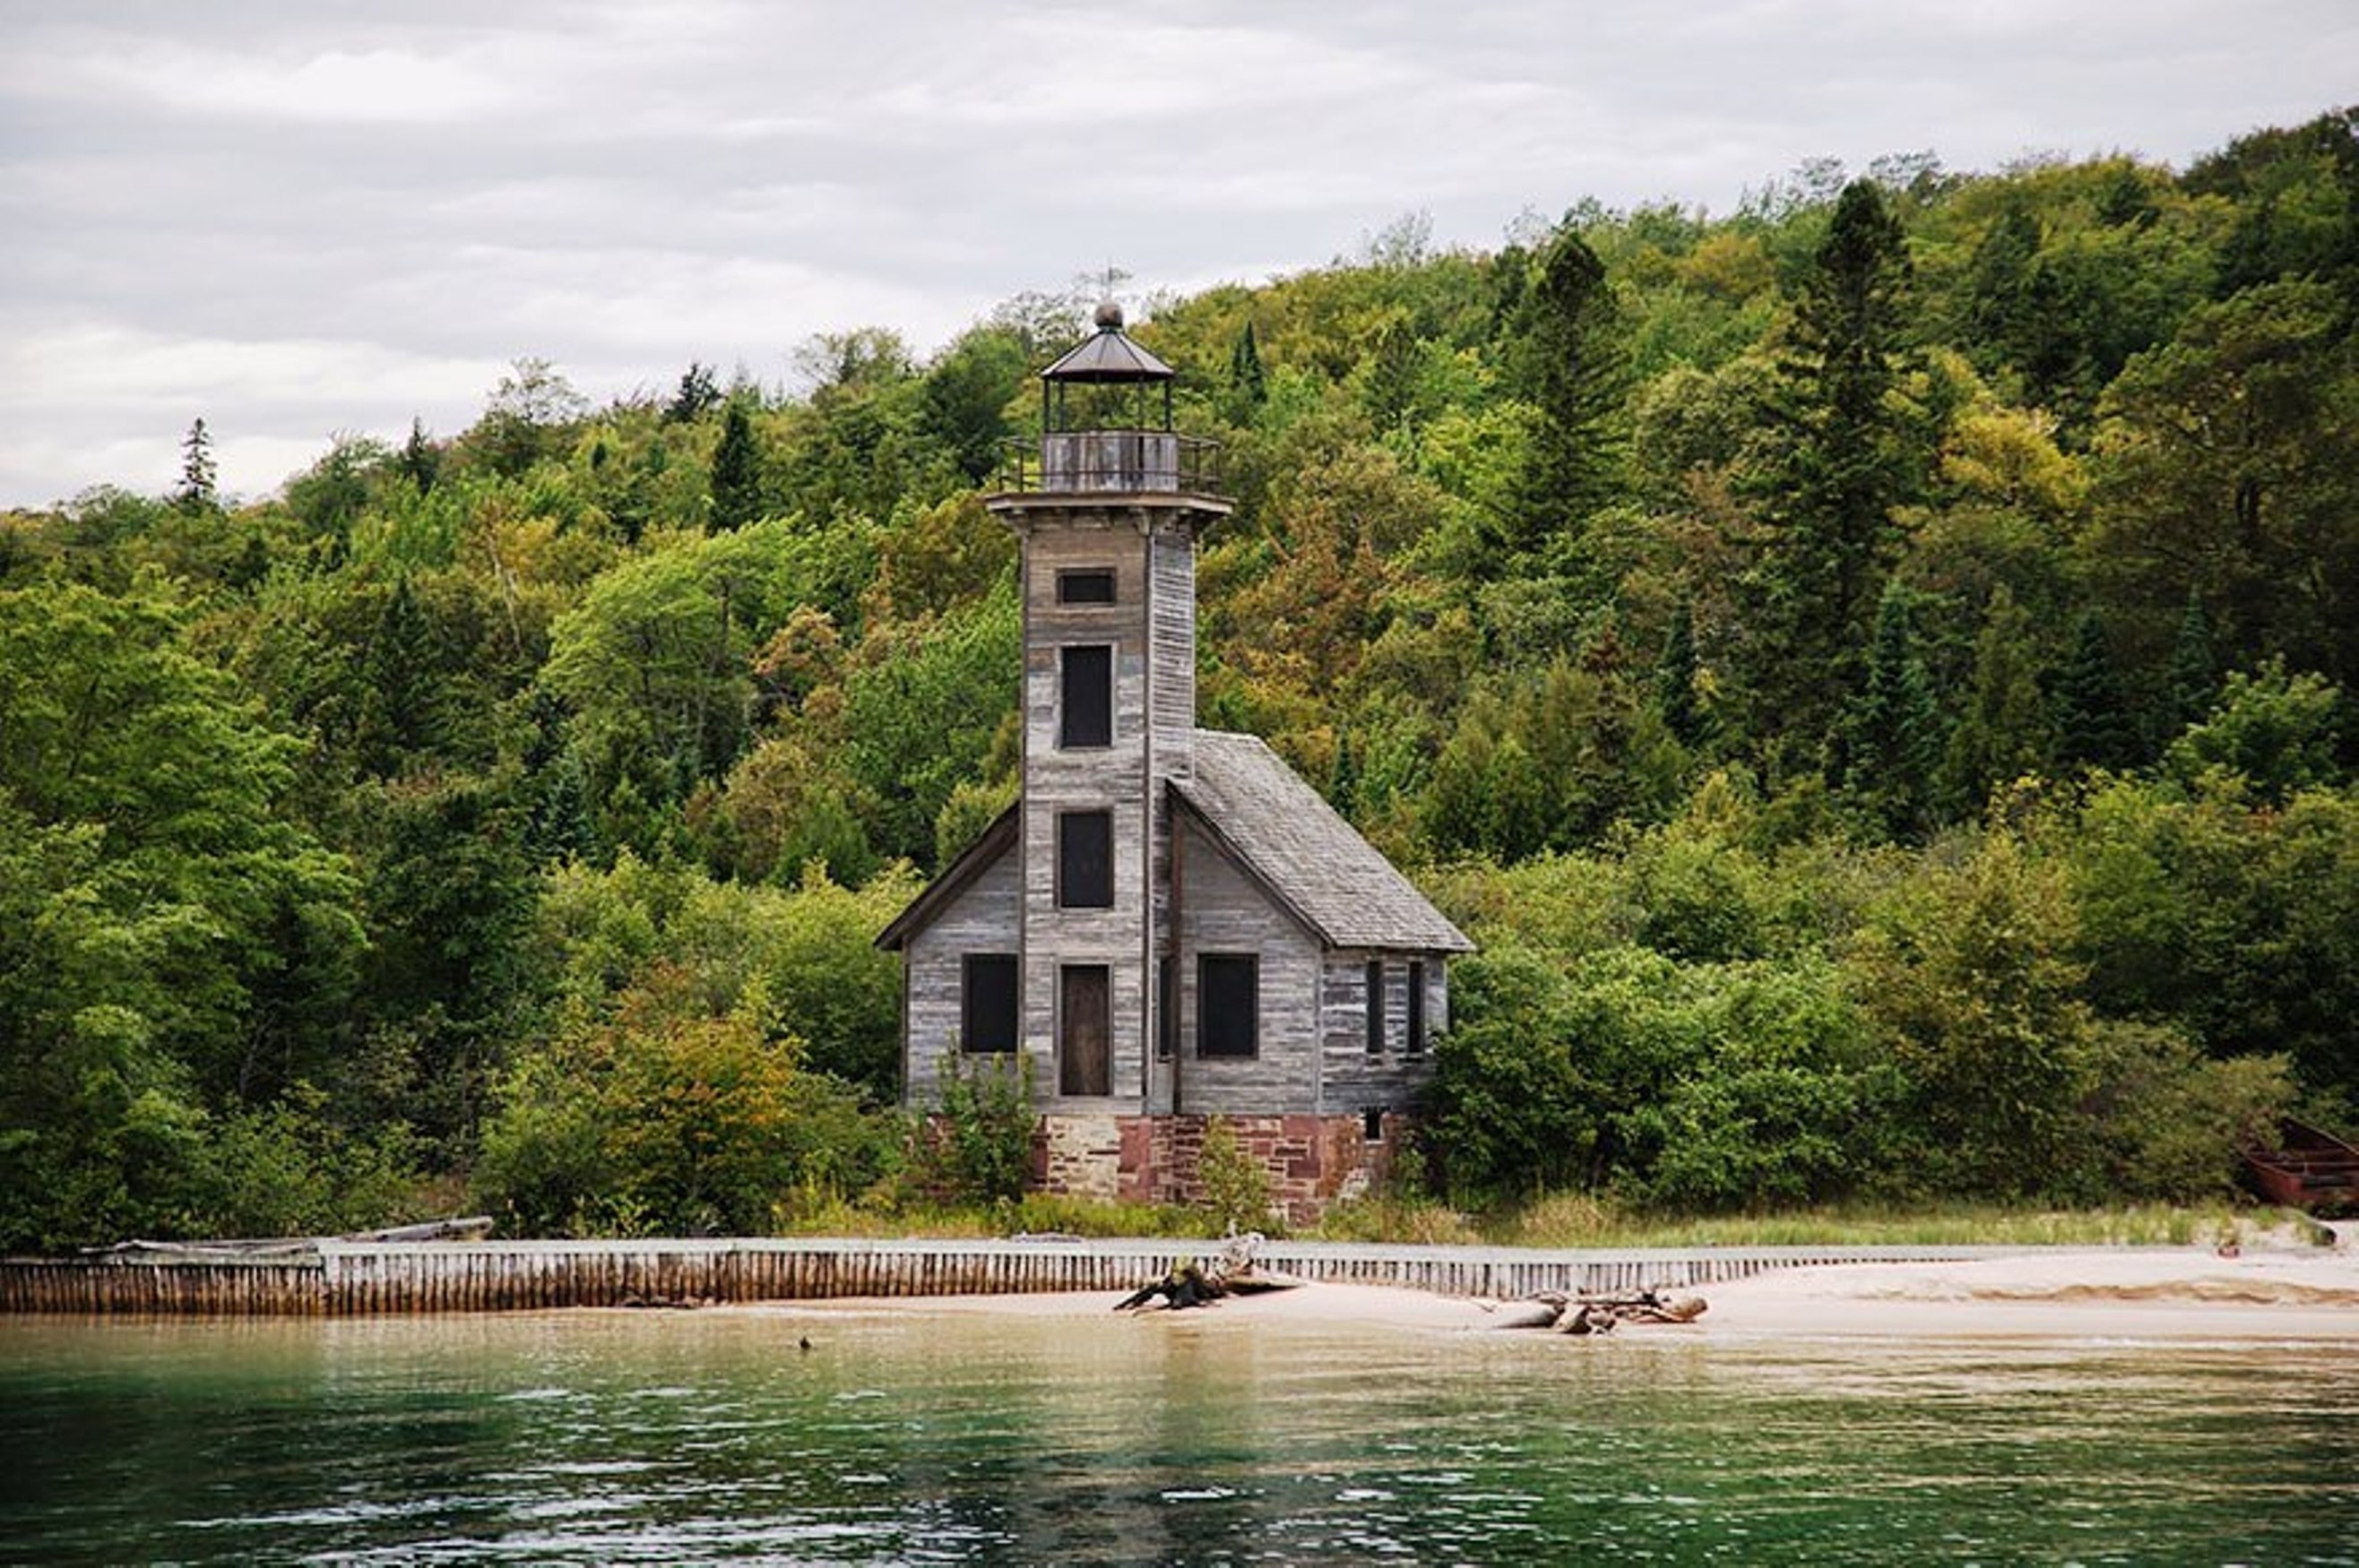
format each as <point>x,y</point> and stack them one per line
<point>1109,317</point>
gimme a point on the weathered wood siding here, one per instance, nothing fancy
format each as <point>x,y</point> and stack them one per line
<point>985,917</point>
<point>1221,910</point>
<point>1352,1078</point>
<point>1110,778</point>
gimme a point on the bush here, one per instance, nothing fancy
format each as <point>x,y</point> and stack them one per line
<point>1237,1185</point>
<point>982,1150</point>
<point>664,1117</point>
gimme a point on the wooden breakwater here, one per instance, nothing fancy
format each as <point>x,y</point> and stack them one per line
<point>360,1278</point>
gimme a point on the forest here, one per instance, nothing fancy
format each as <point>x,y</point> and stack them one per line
<point>1872,669</point>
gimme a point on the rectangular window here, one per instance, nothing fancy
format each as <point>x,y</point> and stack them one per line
<point>1086,712</point>
<point>1417,1008</point>
<point>1375,1006</point>
<point>1228,1004</point>
<point>1166,1006</point>
<point>1086,859</point>
<point>989,1008</point>
<point>1095,586</point>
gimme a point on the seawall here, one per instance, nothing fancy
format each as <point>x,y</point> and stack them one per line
<point>357,1278</point>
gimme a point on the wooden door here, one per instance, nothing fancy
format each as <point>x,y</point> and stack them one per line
<point>1084,1029</point>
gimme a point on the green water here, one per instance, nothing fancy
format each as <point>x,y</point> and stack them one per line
<point>598,1437</point>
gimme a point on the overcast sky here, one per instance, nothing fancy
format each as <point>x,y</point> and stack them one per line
<point>298,219</point>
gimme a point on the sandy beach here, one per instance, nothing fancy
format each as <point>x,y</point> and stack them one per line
<point>2175,1294</point>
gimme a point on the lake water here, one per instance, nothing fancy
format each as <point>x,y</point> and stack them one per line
<point>671,1437</point>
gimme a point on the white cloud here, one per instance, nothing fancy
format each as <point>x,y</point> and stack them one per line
<point>296,219</point>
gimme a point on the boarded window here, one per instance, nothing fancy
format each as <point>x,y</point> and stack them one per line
<point>1095,587</point>
<point>1086,859</point>
<point>1415,1009</point>
<point>990,1002</point>
<point>1084,1029</point>
<point>1085,717</point>
<point>1228,1004</point>
<point>1375,1006</point>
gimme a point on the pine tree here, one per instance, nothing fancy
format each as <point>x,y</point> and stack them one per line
<point>1676,695</point>
<point>1575,371</point>
<point>401,709</point>
<point>561,828</point>
<point>698,392</point>
<point>1245,376</point>
<point>197,491</point>
<point>736,471</point>
<point>2004,735</point>
<point>1889,740</point>
<point>1848,457</point>
<point>420,460</point>
<point>2094,728</point>
<point>2194,671</point>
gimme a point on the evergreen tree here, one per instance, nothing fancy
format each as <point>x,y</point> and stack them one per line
<point>2195,674</point>
<point>1889,742</point>
<point>1245,376</point>
<point>2093,727</point>
<point>1575,372</point>
<point>561,828</point>
<point>698,392</point>
<point>420,460</point>
<point>400,710</point>
<point>2002,321</point>
<point>1848,455</point>
<point>2004,735</point>
<point>736,471</point>
<point>197,493</point>
<point>1676,696</point>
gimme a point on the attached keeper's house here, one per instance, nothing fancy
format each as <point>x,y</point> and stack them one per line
<point>1169,922</point>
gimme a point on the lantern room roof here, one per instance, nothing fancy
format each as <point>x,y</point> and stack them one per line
<point>1109,355</point>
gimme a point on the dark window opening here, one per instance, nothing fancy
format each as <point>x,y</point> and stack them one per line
<point>1086,717</point>
<point>989,1010</point>
<point>1084,1029</point>
<point>1086,859</point>
<point>1085,587</point>
<point>1417,1008</point>
<point>1228,1004</point>
<point>1375,1006</point>
<point>1372,1124</point>
<point>1166,1006</point>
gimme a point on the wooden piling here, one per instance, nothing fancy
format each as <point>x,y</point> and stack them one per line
<point>350,1279</point>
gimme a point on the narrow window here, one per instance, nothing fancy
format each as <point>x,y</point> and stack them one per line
<point>990,1002</point>
<point>1166,1006</point>
<point>1085,587</point>
<point>1372,1124</point>
<point>1417,1008</point>
<point>1375,1006</point>
<point>1228,1004</point>
<point>1086,859</point>
<point>1086,716</point>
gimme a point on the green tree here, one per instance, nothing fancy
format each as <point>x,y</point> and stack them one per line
<point>1574,367</point>
<point>1845,454</point>
<point>2094,724</point>
<point>736,471</point>
<point>196,493</point>
<point>1890,741</point>
<point>2004,734</point>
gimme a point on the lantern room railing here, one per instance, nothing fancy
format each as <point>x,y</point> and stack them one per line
<point>1081,462</point>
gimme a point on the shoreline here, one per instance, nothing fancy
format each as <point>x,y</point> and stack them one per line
<point>2177,1294</point>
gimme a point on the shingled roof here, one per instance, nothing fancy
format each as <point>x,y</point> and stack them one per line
<point>1312,860</point>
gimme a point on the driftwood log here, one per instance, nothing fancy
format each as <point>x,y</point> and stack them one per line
<point>1557,1311</point>
<point>1189,1284</point>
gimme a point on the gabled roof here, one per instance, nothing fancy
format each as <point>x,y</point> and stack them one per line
<point>1315,864</point>
<point>972,862</point>
<point>1279,832</point>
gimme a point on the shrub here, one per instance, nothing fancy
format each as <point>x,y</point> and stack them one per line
<point>983,1149</point>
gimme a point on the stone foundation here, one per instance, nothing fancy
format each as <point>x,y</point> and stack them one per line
<point>1313,1162</point>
